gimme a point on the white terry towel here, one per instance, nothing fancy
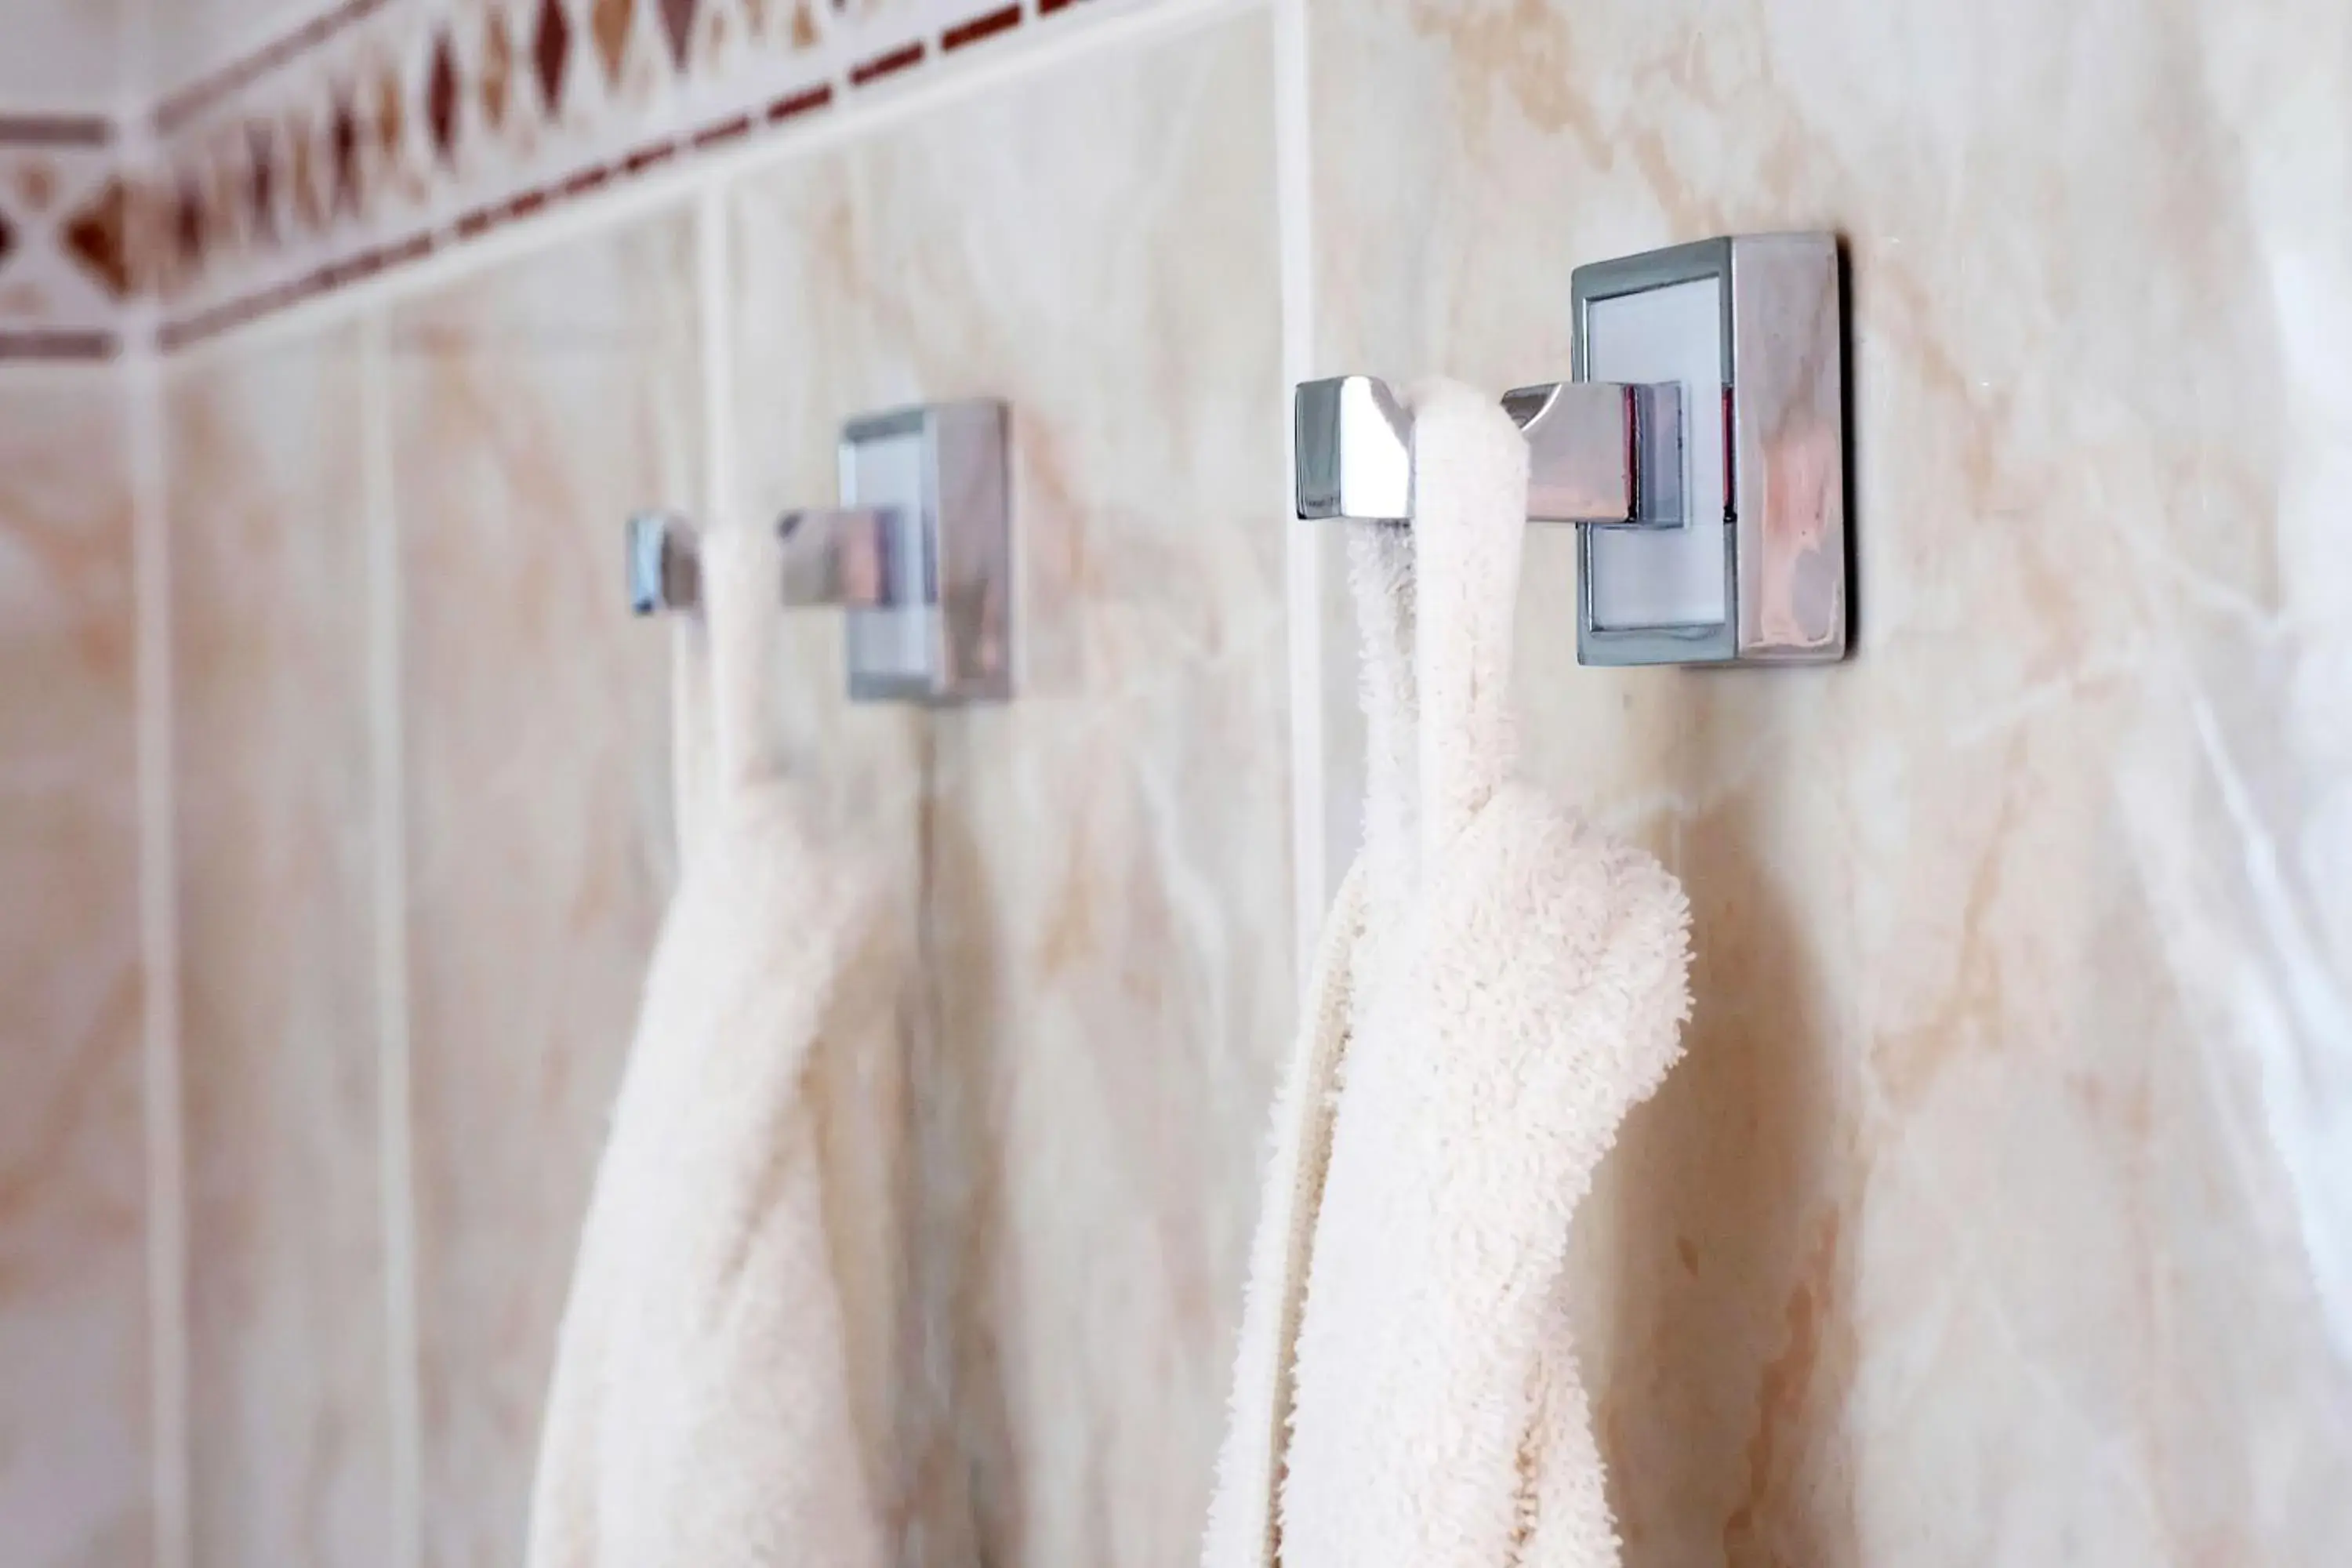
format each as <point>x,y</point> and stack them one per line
<point>1498,985</point>
<point>700,1413</point>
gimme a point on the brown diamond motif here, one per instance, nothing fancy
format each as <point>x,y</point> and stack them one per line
<point>94,234</point>
<point>551,52</point>
<point>343,152</point>
<point>677,21</point>
<point>497,67</point>
<point>227,196</point>
<point>391,116</point>
<point>303,174</point>
<point>261,182</point>
<point>188,222</point>
<point>441,100</point>
<point>609,21</point>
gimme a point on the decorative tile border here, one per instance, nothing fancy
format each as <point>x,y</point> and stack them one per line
<point>382,131</point>
<point>65,249</point>
<point>389,130</point>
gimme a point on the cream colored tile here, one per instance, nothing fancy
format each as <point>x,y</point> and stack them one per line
<point>1105,862</point>
<point>532,409</point>
<point>288,1375</point>
<point>196,38</point>
<point>74,1476</point>
<point>1997,1214</point>
<point>66,57</point>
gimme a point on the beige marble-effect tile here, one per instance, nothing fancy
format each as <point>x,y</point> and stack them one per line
<point>532,409</point>
<point>280,1050</point>
<point>196,38</point>
<point>1105,861</point>
<point>67,56</point>
<point>74,1474</point>
<point>1997,1214</point>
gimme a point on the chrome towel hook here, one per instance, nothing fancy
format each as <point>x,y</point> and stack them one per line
<point>1699,445</point>
<point>918,554</point>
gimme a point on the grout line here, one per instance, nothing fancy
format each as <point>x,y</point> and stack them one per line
<point>58,345</point>
<point>248,64</point>
<point>57,130</point>
<point>852,117</point>
<point>690,697</point>
<point>164,1134</point>
<point>1302,546</point>
<point>396,1123</point>
<point>715,317</point>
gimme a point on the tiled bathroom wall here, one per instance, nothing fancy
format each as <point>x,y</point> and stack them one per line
<point>283,1081</point>
<point>528,409</point>
<point>425,815</point>
<point>1106,868</point>
<point>1996,1215</point>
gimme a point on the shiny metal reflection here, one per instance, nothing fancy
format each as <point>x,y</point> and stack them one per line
<point>1597,453</point>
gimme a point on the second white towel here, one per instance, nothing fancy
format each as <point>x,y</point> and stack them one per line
<point>700,1414</point>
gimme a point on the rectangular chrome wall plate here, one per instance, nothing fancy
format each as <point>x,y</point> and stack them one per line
<point>941,472</point>
<point>1753,327</point>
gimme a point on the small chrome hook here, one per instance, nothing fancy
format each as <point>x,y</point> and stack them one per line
<point>919,555</point>
<point>665,570</point>
<point>1701,443</point>
<point>837,555</point>
<point>1599,453</point>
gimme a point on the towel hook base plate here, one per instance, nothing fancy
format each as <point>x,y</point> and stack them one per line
<point>1753,326</point>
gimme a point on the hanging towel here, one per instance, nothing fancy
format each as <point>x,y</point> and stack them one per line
<point>1497,984</point>
<point>700,1414</point>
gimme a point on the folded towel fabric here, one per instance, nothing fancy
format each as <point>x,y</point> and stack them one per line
<point>1499,984</point>
<point>700,1413</point>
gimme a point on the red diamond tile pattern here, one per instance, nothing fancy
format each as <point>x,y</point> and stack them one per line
<point>95,236</point>
<point>260,182</point>
<point>343,150</point>
<point>188,222</point>
<point>550,53</point>
<point>441,102</point>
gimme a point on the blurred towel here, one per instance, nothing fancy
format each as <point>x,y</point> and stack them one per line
<point>700,1414</point>
<point>1499,984</point>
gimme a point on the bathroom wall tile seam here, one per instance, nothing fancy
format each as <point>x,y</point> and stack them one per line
<point>170,1532</point>
<point>173,1533</point>
<point>396,1137</point>
<point>168,1329</point>
<point>1293,192</point>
